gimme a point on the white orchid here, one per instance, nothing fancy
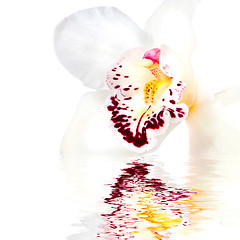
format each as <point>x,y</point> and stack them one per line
<point>144,79</point>
<point>147,82</point>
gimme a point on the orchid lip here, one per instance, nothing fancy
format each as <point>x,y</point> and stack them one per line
<point>145,101</point>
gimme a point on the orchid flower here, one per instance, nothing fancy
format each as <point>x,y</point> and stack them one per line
<point>143,79</point>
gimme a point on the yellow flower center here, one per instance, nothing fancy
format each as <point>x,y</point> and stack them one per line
<point>154,89</point>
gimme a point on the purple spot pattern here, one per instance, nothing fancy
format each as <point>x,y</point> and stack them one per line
<point>134,130</point>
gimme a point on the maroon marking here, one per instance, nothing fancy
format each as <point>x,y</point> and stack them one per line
<point>117,125</point>
<point>121,123</point>
<point>126,76</point>
<point>155,121</point>
<point>126,89</point>
<point>136,88</point>
<point>139,122</point>
<point>161,113</point>
<point>163,99</point>
<point>172,101</point>
<point>172,114</point>
<point>120,108</point>
<point>115,78</point>
<point>116,87</point>
<point>120,66</point>
<point>179,84</point>
<point>118,74</point>
<point>139,139</point>
<point>181,113</point>
<point>129,98</point>
<point>170,90</point>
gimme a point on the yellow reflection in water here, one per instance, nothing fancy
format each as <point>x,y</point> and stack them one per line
<point>161,218</point>
<point>146,208</point>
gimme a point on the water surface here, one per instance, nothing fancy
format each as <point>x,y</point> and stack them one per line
<point>155,198</point>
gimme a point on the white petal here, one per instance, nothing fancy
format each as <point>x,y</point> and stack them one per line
<point>171,25</point>
<point>89,41</point>
<point>214,127</point>
<point>216,59</point>
<point>89,131</point>
<point>215,155</point>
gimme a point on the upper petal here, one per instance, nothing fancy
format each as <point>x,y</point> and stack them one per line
<point>171,24</point>
<point>216,59</point>
<point>88,42</point>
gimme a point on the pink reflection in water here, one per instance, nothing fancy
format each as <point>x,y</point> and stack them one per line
<point>145,208</point>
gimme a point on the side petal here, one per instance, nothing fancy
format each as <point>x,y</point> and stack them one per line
<point>214,127</point>
<point>214,156</point>
<point>171,24</point>
<point>216,59</point>
<point>88,41</point>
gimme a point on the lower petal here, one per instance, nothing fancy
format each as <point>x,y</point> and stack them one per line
<point>89,132</point>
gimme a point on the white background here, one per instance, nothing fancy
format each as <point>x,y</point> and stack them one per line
<point>38,98</point>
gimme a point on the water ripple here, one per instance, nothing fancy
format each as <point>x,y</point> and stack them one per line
<point>145,208</point>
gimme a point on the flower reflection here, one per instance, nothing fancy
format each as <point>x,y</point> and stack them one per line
<point>145,208</point>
